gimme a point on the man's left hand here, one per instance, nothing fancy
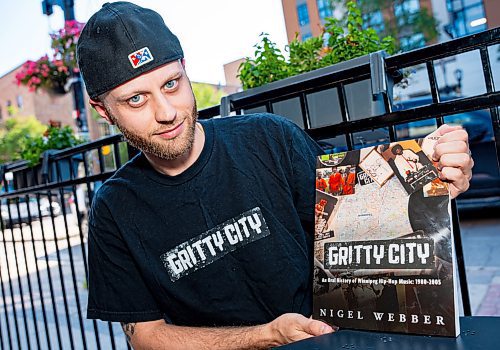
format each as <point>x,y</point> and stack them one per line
<point>452,153</point>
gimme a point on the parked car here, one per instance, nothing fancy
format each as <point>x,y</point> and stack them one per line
<point>19,213</point>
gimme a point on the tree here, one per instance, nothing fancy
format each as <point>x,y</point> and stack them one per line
<point>14,132</point>
<point>206,95</point>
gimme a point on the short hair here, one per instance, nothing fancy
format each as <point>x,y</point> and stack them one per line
<point>396,147</point>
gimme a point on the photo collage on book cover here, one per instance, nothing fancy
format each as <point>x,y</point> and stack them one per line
<point>338,174</point>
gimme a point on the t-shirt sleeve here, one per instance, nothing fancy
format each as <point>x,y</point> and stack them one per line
<point>303,153</point>
<point>117,291</point>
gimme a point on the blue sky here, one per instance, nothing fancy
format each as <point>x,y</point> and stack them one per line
<point>211,32</point>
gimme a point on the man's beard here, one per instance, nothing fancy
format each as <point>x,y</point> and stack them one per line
<point>164,149</point>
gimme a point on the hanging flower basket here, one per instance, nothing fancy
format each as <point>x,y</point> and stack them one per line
<point>53,74</point>
<point>58,89</point>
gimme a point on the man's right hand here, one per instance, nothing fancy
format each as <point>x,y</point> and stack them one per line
<point>293,327</point>
<point>283,330</point>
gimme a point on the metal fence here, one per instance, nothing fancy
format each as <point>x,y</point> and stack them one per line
<point>44,209</point>
<point>43,265</point>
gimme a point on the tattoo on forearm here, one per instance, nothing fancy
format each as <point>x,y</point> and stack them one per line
<point>128,329</point>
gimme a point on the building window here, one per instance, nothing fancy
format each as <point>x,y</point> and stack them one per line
<point>10,109</point>
<point>306,36</point>
<point>404,10</point>
<point>104,128</point>
<point>467,17</point>
<point>411,42</point>
<point>303,14</point>
<point>374,20</point>
<point>324,8</point>
<point>19,100</point>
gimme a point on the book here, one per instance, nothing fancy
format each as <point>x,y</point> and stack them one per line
<point>383,245</point>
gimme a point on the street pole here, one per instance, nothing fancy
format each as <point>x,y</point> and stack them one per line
<point>78,97</point>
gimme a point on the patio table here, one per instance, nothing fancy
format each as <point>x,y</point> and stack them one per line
<point>477,333</point>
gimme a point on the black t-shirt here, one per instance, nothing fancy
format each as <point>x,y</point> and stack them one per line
<point>222,244</point>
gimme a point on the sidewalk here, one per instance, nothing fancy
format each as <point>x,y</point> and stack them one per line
<point>481,242</point>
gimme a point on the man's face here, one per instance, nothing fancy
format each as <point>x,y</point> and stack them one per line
<point>156,111</point>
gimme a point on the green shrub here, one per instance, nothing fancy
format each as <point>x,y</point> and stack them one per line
<point>54,138</point>
<point>341,41</point>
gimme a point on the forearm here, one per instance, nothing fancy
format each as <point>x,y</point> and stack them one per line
<point>166,336</point>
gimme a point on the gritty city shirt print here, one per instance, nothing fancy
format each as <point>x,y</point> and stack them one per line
<point>215,243</point>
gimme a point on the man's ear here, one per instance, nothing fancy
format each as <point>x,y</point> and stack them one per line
<point>183,62</point>
<point>99,107</point>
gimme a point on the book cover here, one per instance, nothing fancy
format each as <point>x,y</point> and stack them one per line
<point>383,250</point>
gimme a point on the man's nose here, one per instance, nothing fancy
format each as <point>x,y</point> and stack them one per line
<point>165,111</point>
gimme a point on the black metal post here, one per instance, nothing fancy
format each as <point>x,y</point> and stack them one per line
<point>68,6</point>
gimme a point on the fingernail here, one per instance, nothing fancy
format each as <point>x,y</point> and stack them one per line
<point>326,329</point>
<point>335,328</point>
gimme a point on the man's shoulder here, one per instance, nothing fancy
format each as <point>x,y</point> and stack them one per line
<point>124,177</point>
<point>261,125</point>
<point>255,119</point>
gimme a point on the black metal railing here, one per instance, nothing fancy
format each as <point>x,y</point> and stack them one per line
<point>376,69</point>
<point>44,209</point>
<point>43,265</point>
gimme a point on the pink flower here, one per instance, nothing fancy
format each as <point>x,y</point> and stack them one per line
<point>44,71</point>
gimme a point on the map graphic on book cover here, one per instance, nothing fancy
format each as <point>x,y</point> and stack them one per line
<point>384,255</point>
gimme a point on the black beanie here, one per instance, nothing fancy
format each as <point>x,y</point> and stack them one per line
<point>120,42</point>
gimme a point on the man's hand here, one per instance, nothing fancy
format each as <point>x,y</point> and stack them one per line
<point>452,153</point>
<point>292,327</point>
<point>283,330</point>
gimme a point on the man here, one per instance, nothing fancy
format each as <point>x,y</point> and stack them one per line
<point>198,242</point>
<point>406,161</point>
<point>335,182</point>
<point>348,181</point>
<point>321,183</point>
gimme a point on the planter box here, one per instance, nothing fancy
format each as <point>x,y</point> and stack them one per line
<point>55,171</point>
<point>364,98</point>
<point>61,170</point>
<point>27,176</point>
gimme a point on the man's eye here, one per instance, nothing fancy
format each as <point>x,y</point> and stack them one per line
<point>136,100</point>
<point>171,84</point>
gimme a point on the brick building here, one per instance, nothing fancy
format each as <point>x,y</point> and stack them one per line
<point>457,17</point>
<point>47,107</point>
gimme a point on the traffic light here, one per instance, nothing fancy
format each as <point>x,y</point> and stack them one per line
<point>47,7</point>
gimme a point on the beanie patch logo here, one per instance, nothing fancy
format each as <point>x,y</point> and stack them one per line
<point>140,57</point>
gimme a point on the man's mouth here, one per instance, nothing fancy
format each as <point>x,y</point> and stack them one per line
<point>172,132</point>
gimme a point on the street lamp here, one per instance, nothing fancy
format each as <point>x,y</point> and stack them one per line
<point>75,80</point>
